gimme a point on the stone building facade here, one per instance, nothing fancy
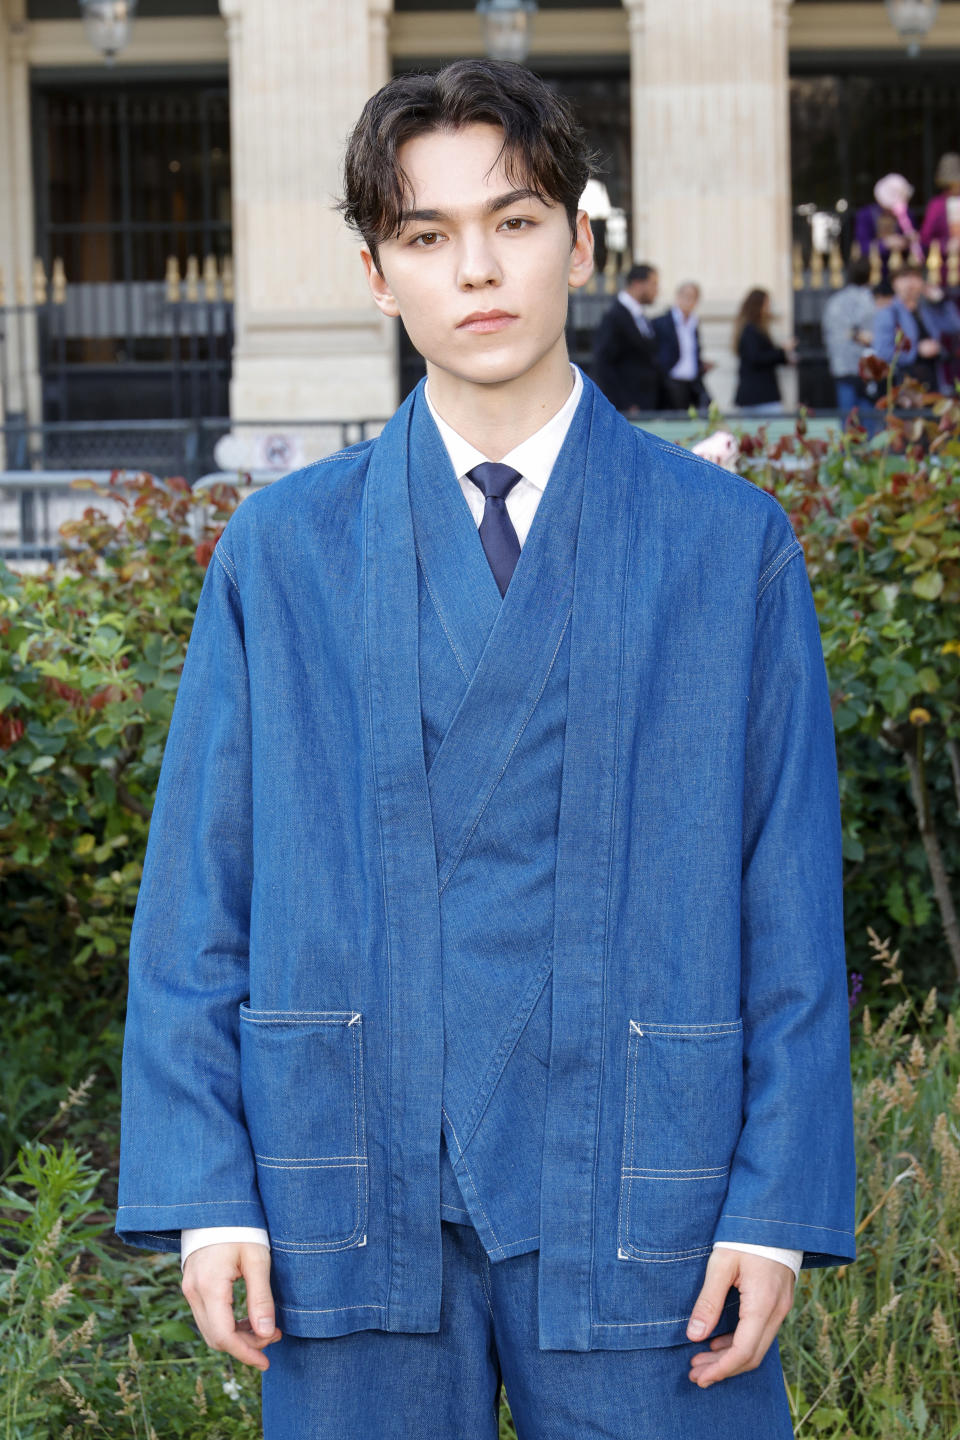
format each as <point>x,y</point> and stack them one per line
<point>708,193</point>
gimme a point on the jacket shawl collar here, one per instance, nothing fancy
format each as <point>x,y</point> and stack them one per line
<point>504,649</point>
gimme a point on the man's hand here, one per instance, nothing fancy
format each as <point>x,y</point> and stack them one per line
<point>928,348</point>
<point>208,1276</point>
<point>766,1294</point>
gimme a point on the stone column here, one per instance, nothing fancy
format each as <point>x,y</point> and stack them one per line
<point>711,163</point>
<point>22,395</point>
<point>310,344</point>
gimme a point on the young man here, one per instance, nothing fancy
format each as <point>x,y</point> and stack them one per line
<point>488,961</point>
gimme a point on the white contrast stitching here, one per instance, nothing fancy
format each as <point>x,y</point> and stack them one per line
<point>184,1205</point>
<point>797,550</point>
<point>728,1215</point>
<point>641,1324</point>
<point>223,566</point>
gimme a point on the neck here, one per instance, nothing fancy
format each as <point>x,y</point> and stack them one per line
<point>498,415</point>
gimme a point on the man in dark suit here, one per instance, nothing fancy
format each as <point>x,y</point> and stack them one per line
<point>625,346</point>
<point>679,354</point>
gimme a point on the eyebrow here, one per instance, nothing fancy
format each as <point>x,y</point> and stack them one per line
<point>499,202</point>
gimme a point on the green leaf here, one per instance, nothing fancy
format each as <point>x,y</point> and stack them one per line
<point>175,1331</point>
<point>845,717</point>
<point>42,762</point>
<point>928,585</point>
<point>156,702</point>
<point>12,695</point>
<point>896,903</point>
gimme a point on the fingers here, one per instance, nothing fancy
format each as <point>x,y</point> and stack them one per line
<point>744,1350</point>
<point>208,1279</point>
<point>256,1269</point>
<point>766,1290</point>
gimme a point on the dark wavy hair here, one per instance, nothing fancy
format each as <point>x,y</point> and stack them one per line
<point>751,313</point>
<point>544,147</point>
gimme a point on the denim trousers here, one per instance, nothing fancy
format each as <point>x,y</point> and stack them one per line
<point>446,1385</point>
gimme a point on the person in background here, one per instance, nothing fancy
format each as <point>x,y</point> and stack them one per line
<point>928,323</point>
<point>679,353</point>
<point>882,295</point>
<point>758,391</point>
<point>847,326</point>
<point>888,222</point>
<point>941,221</point>
<point>625,364</point>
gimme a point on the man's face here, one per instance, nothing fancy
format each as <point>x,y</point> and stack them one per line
<point>646,291</point>
<point>909,288</point>
<point>480,270</point>
<point>687,297</point>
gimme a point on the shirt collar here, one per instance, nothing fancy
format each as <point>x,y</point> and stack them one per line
<point>634,306</point>
<point>681,320</point>
<point>533,457</point>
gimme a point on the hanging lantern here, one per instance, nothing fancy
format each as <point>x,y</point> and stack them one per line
<point>507,27</point>
<point>107,24</point>
<point>912,20</point>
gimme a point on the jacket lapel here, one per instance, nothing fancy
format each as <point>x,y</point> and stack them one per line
<point>505,648</point>
<point>615,471</point>
<point>456,570</point>
<point>407,859</point>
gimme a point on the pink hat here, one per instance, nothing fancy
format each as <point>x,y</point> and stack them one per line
<point>892,190</point>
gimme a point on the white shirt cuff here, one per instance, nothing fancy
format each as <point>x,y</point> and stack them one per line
<point>193,1239</point>
<point>793,1258</point>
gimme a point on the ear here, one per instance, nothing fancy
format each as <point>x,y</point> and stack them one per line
<point>379,288</point>
<point>581,256</point>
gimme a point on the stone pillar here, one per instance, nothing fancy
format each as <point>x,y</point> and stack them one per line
<point>310,344</point>
<point>22,395</point>
<point>711,161</point>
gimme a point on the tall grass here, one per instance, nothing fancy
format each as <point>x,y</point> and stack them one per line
<point>97,1340</point>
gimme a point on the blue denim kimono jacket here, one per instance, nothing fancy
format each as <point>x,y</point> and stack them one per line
<point>527,911</point>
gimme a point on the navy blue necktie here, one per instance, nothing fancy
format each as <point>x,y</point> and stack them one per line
<point>499,539</point>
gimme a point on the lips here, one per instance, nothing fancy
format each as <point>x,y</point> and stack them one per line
<point>483,322</point>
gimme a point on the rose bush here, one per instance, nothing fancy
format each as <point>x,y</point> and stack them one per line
<point>90,658</point>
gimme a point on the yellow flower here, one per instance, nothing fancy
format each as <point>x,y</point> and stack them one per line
<point>952,647</point>
<point>919,716</point>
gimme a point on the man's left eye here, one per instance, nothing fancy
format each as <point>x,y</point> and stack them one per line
<point>515,222</point>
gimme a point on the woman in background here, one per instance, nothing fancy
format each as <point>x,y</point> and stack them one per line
<point>941,222</point>
<point>889,223</point>
<point>758,391</point>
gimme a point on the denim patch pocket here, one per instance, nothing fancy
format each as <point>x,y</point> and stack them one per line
<point>302,1083</point>
<point>684,1095</point>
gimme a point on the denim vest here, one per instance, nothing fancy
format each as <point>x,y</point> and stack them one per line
<point>496,958</point>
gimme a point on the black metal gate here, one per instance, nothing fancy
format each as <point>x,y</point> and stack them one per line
<point>132,184</point>
<point>847,129</point>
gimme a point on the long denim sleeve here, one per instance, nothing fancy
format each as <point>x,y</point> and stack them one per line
<point>798,1103</point>
<point>185,1155</point>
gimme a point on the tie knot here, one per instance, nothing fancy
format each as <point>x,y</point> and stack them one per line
<point>496,481</point>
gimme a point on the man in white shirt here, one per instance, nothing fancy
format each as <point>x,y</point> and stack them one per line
<point>681,360</point>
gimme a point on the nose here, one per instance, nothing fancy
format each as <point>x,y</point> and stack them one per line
<point>478,265</point>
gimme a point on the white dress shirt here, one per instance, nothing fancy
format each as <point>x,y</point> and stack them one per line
<point>534,458</point>
<point>686,366</point>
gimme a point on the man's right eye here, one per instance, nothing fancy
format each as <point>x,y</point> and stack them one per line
<point>428,236</point>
